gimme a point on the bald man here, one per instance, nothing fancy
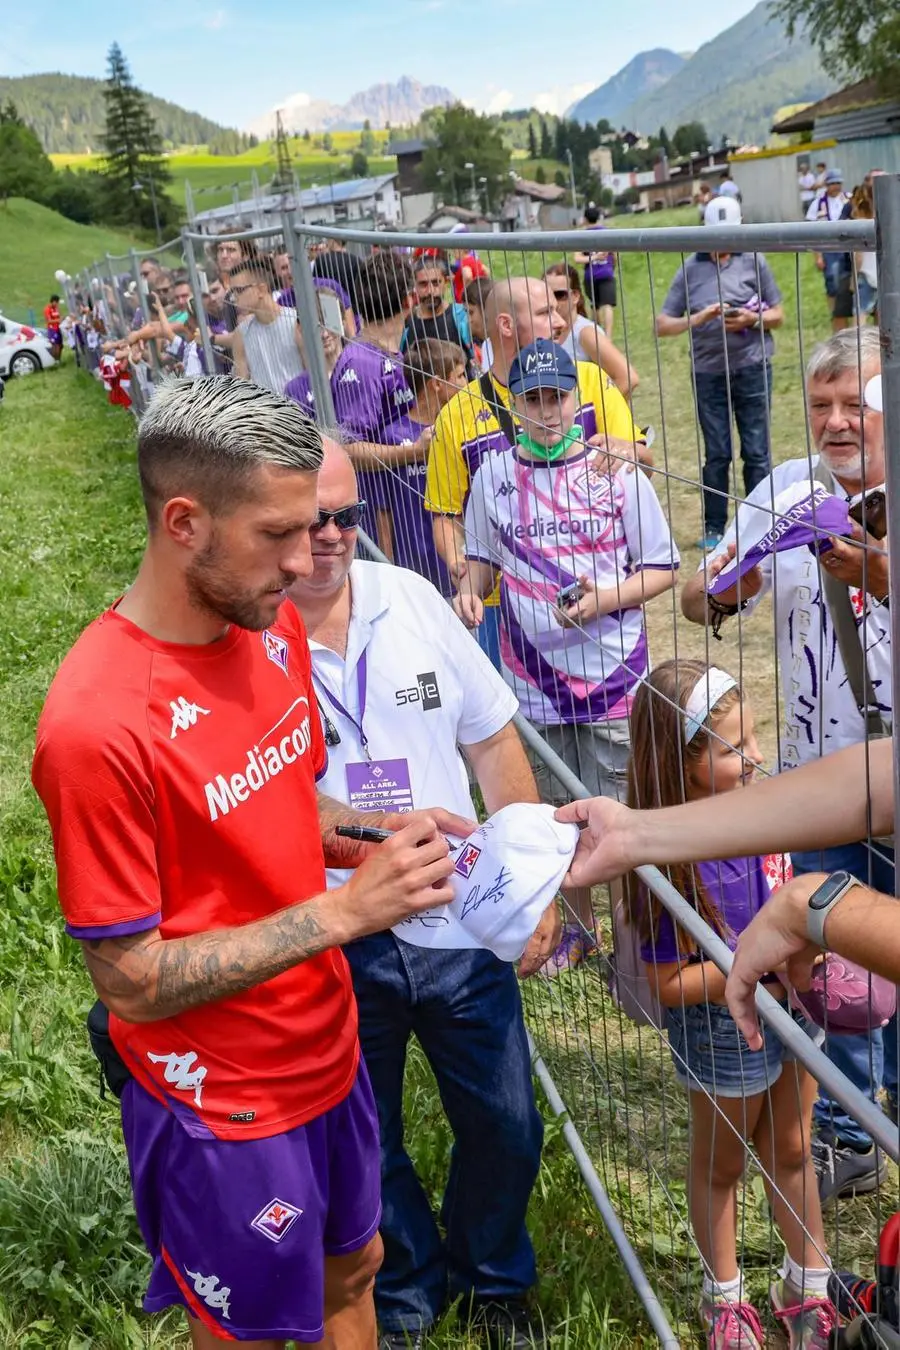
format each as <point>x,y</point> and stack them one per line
<point>478,421</point>
<point>373,630</point>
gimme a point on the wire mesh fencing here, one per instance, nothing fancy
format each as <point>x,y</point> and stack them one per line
<point>670,624</point>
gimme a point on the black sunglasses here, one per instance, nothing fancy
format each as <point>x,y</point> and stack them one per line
<point>345,518</point>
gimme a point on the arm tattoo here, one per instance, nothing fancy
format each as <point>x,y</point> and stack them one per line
<point>145,978</point>
<point>344,852</point>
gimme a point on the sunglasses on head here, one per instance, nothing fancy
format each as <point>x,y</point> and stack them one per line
<point>345,518</point>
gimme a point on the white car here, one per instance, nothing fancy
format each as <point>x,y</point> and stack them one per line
<point>23,350</point>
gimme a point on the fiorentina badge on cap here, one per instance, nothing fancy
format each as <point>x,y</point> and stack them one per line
<point>801,518</point>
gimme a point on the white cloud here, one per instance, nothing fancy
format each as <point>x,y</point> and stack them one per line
<point>562,96</point>
<point>216,21</point>
<point>491,100</point>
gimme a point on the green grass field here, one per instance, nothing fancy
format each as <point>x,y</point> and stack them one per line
<point>35,243</point>
<point>71,1267</point>
<point>212,176</point>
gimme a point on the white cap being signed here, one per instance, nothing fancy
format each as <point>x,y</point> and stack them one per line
<point>506,873</point>
<point>873,395</point>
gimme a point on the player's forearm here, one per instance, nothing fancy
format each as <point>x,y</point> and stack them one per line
<point>822,804</point>
<point>865,927</point>
<point>502,770</point>
<point>449,539</point>
<point>148,978</point>
<point>344,852</point>
<point>373,455</point>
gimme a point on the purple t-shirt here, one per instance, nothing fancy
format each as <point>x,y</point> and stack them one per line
<point>412,524</point>
<point>600,271</point>
<point>370,392</point>
<point>738,887</point>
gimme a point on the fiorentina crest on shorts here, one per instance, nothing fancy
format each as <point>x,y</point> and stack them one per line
<point>276,649</point>
<point>276,1220</point>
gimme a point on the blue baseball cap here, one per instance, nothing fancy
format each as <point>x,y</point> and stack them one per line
<point>833,176</point>
<point>542,365</point>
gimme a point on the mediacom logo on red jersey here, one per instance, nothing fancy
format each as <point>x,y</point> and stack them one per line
<point>263,762</point>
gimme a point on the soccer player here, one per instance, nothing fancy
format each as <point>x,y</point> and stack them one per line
<point>177,757</point>
<point>52,323</point>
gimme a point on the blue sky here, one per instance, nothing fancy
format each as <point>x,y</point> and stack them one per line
<point>234,62</point>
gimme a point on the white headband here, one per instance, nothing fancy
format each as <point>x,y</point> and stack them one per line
<point>712,685</point>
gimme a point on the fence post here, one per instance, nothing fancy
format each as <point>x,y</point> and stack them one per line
<point>146,314</point>
<point>209,355</point>
<point>887,246</point>
<point>116,295</point>
<point>308,315</point>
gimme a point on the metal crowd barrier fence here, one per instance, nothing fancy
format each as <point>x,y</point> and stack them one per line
<point>629,1123</point>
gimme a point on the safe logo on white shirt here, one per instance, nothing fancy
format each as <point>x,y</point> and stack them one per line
<point>184,715</point>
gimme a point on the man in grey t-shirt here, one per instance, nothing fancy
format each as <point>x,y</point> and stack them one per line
<point>267,344</point>
<point>727,303</point>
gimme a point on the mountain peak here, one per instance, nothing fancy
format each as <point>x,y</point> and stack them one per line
<point>644,73</point>
<point>399,103</point>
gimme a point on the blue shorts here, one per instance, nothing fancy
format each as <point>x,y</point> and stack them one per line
<point>709,1052</point>
<point>239,1231</point>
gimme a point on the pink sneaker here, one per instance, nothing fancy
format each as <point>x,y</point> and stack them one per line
<point>574,946</point>
<point>731,1326</point>
<point>806,1322</point>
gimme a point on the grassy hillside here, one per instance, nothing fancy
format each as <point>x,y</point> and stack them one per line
<point>36,242</point>
<point>215,174</point>
<point>68,112</point>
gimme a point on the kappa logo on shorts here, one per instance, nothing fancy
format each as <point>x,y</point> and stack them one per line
<point>465,863</point>
<point>207,1288</point>
<point>276,1220</point>
<point>276,649</point>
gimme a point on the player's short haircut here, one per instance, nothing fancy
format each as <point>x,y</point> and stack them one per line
<point>260,269</point>
<point>383,287</point>
<point>431,359</point>
<point>592,214</point>
<point>206,438</point>
<point>850,349</point>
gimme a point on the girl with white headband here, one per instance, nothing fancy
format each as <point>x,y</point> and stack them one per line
<point>692,737</point>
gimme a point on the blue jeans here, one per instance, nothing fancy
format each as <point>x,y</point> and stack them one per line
<point>488,634</point>
<point>745,394</point>
<point>870,1062</point>
<point>464,1009</point>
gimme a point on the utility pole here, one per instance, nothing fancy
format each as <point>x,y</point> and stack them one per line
<point>572,180</point>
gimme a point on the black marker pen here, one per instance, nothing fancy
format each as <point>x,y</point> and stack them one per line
<point>363,834</point>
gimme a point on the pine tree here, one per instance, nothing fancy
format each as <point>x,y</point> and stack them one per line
<point>135,171</point>
<point>546,141</point>
<point>532,142</point>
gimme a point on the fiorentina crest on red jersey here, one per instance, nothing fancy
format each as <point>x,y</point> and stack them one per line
<point>276,649</point>
<point>275,1221</point>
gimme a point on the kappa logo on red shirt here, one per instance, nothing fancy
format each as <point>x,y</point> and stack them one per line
<point>465,863</point>
<point>276,649</point>
<point>276,1220</point>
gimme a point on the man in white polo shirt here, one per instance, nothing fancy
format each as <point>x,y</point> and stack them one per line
<point>402,690</point>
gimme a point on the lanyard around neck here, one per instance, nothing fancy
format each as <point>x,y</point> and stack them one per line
<point>361,682</point>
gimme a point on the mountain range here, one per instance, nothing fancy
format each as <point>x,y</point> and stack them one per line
<point>646,72</point>
<point>69,114</point>
<point>382,105</point>
<point>733,84</point>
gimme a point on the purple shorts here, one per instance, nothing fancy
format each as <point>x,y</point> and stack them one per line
<point>239,1232</point>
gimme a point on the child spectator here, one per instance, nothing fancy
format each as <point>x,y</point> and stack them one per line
<point>585,339</point>
<point>580,549</point>
<point>475,299</point>
<point>435,371</point>
<point>693,736</point>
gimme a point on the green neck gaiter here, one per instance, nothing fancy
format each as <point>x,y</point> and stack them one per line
<point>549,453</point>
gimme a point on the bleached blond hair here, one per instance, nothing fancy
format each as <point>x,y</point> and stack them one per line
<point>206,438</point>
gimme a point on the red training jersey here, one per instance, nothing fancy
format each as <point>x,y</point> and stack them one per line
<point>180,784</point>
<point>475,266</point>
<point>51,316</point>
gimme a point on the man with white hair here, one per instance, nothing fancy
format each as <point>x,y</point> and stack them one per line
<point>403,692</point>
<point>728,304</point>
<point>177,758</point>
<point>815,602</point>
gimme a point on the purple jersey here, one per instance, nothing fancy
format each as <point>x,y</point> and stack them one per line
<point>738,887</point>
<point>597,270</point>
<point>369,390</point>
<point>412,524</point>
